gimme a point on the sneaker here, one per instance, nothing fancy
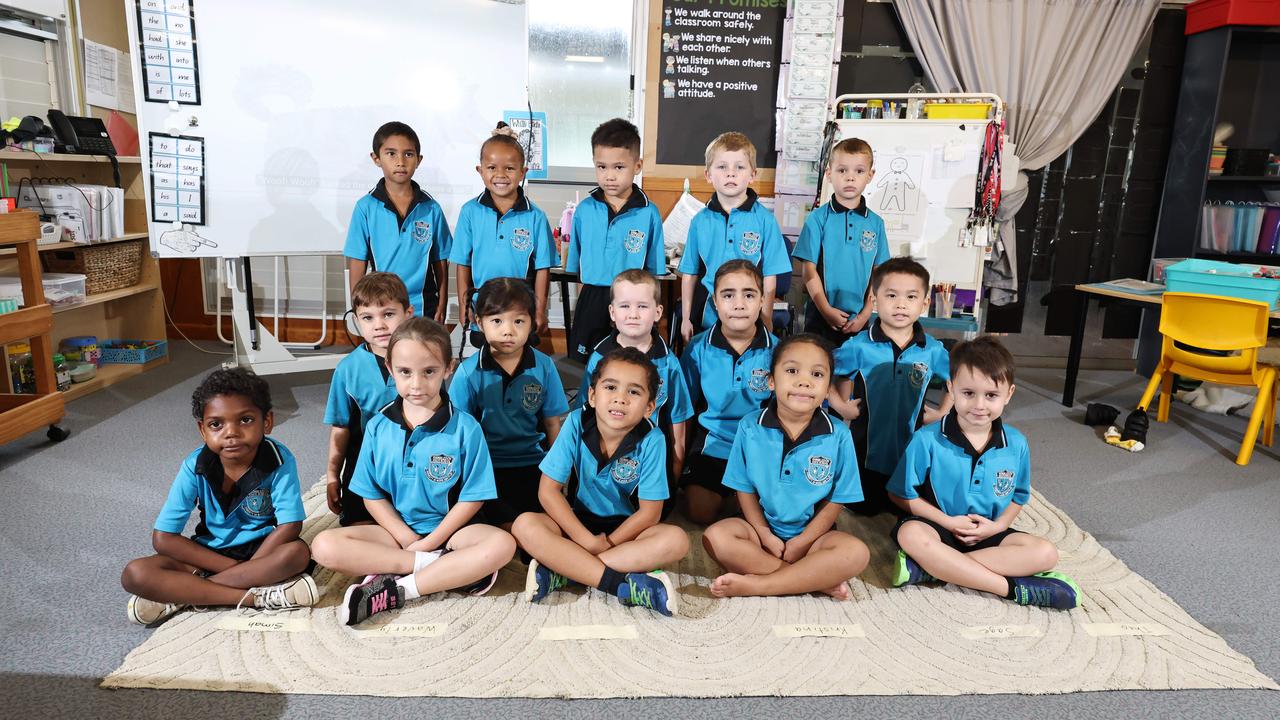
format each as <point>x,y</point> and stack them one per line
<point>542,581</point>
<point>652,590</point>
<point>908,572</point>
<point>481,586</point>
<point>367,599</point>
<point>298,592</point>
<point>1046,589</point>
<point>149,612</point>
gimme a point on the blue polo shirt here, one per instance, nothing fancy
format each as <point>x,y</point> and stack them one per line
<point>509,407</point>
<point>942,466</point>
<point>361,386</point>
<point>792,476</point>
<point>673,404</point>
<point>716,236</point>
<point>603,243</point>
<point>267,495</point>
<point>727,386</point>
<point>496,245</point>
<point>608,486</point>
<point>425,470</point>
<point>845,244</point>
<point>405,245</point>
<point>891,382</point>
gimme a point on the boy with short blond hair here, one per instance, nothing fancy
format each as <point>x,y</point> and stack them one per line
<point>361,386</point>
<point>733,226</point>
<point>635,304</point>
<point>614,229</point>
<point>842,241</point>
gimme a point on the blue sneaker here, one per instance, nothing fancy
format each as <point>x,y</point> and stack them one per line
<point>651,590</point>
<point>907,572</point>
<point>542,581</point>
<point>1046,589</point>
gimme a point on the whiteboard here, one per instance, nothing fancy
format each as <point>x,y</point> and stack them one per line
<point>291,93</point>
<point>923,188</point>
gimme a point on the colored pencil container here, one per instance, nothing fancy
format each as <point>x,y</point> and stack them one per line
<point>1213,277</point>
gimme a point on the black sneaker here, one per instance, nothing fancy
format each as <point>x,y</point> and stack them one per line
<point>364,600</point>
<point>1046,589</point>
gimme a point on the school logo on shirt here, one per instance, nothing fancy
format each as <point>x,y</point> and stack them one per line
<point>759,381</point>
<point>421,230</point>
<point>520,239</point>
<point>532,397</point>
<point>625,470</point>
<point>819,470</point>
<point>440,469</point>
<point>662,392</point>
<point>868,242</point>
<point>1004,483</point>
<point>750,244</point>
<point>258,504</point>
<point>634,242</point>
<point>919,371</point>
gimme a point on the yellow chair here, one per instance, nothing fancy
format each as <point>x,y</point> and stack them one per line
<point>1214,322</point>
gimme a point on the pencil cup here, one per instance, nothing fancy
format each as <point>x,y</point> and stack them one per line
<point>944,303</point>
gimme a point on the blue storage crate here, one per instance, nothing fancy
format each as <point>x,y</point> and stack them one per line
<point>1212,277</point>
<point>113,354</point>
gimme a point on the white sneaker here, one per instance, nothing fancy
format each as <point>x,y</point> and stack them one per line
<point>298,592</point>
<point>149,612</point>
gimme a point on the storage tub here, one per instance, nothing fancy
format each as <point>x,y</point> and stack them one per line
<point>140,352</point>
<point>1213,277</point>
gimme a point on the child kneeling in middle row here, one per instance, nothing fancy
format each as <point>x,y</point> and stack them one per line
<point>606,533</point>
<point>424,471</point>
<point>794,469</point>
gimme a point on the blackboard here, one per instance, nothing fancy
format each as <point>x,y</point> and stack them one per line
<point>718,71</point>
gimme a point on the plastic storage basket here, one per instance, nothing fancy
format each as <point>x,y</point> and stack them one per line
<point>957,111</point>
<point>1212,277</point>
<point>115,352</point>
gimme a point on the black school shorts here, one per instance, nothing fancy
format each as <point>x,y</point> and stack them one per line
<point>591,321</point>
<point>951,540</point>
<point>517,494</point>
<point>597,524</point>
<point>707,472</point>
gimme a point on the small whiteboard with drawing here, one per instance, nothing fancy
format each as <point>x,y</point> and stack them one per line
<point>925,172</point>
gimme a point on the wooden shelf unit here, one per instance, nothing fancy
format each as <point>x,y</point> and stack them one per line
<point>135,312</point>
<point>20,414</point>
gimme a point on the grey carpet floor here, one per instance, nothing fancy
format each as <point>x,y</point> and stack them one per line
<point>1181,514</point>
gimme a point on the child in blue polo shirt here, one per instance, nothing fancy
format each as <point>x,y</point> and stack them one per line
<point>614,228</point>
<point>361,386</point>
<point>501,233</point>
<point>399,228</point>
<point>727,368</point>
<point>424,472</point>
<point>840,243</point>
<point>962,483</point>
<point>245,486</point>
<point>603,530</point>
<point>635,304</point>
<point>794,468</point>
<point>733,225</point>
<point>512,389</point>
<point>883,373</point>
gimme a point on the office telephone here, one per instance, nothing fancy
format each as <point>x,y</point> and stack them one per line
<point>83,135</point>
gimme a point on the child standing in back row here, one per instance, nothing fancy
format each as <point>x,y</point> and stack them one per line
<point>399,228</point>
<point>614,228</point>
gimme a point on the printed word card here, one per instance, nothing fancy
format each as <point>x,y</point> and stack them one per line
<point>167,36</point>
<point>177,179</point>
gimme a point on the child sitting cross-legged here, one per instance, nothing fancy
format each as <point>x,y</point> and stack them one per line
<point>603,530</point>
<point>794,469</point>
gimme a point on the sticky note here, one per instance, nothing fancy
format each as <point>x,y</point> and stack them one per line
<point>819,630</point>
<point>589,632</point>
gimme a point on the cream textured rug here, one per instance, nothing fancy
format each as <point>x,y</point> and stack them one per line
<point>934,640</point>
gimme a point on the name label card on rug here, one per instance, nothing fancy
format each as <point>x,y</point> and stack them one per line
<point>1122,629</point>
<point>819,630</point>
<point>257,624</point>
<point>589,632</point>
<point>406,630</point>
<point>995,632</point>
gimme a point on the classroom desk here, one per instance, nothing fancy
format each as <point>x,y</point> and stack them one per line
<point>1103,293</point>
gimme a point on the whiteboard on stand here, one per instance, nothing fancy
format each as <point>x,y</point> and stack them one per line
<point>290,94</point>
